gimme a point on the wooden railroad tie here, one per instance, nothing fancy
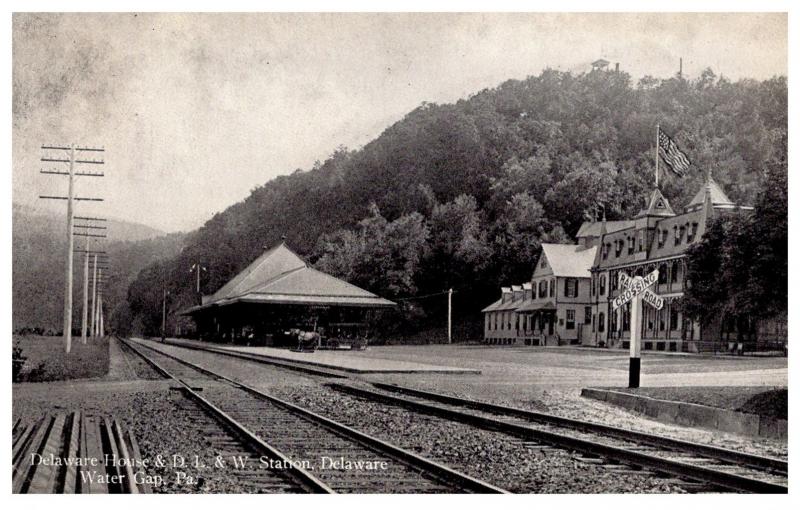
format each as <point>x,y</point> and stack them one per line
<point>52,455</point>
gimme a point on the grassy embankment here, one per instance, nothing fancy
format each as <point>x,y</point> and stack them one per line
<point>47,361</point>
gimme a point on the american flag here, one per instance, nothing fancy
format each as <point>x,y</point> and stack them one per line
<point>672,155</point>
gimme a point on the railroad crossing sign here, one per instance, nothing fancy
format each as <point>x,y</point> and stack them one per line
<point>635,290</point>
<point>653,299</point>
<point>632,287</point>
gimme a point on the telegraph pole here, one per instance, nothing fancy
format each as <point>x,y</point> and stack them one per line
<point>85,315</point>
<point>100,313</point>
<point>197,268</point>
<point>164,315</point>
<point>450,316</point>
<point>70,198</point>
<point>88,237</point>
<point>94,298</point>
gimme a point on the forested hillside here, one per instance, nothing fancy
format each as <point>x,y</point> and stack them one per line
<point>38,250</point>
<point>461,195</point>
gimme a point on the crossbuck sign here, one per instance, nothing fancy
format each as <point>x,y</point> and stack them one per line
<point>634,291</point>
<point>632,287</point>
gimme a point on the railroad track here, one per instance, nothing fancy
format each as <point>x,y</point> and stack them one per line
<point>275,362</point>
<point>317,448</point>
<point>697,467</point>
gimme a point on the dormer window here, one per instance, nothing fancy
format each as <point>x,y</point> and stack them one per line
<point>630,245</point>
<point>677,235</point>
<point>641,240</point>
<point>692,232</point>
<point>606,249</point>
<point>544,263</point>
<point>662,237</point>
<point>618,247</point>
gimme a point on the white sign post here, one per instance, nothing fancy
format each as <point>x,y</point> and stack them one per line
<point>633,291</point>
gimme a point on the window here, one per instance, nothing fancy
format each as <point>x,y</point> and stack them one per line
<point>676,269</point>
<point>614,321</point>
<point>692,231</point>
<point>587,315</point>
<point>673,319</point>
<point>606,249</point>
<point>552,287</point>
<point>594,286</point>
<point>661,322</point>
<point>681,232</point>
<point>618,244</point>
<point>544,262</point>
<point>662,273</point>
<point>601,322</point>
<point>614,281</point>
<point>542,288</point>
<point>570,319</point>
<point>677,235</point>
<point>630,245</point>
<point>602,284</point>
<point>662,237</point>
<point>641,240</point>
<point>570,287</point>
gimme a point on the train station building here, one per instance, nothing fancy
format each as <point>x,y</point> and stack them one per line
<point>277,292</point>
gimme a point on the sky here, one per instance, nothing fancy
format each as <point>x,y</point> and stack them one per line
<point>196,110</point>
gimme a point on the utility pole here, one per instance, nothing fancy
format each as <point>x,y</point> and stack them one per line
<point>70,198</point>
<point>94,298</point>
<point>197,268</point>
<point>100,313</point>
<point>99,261</point>
<point>450,316</point>
<point>88,237</point>
<point>164,315</point>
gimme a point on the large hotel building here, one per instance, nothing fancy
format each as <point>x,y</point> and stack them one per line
<point>581,280</point>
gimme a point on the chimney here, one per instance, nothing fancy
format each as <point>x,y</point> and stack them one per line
<point>616,67</point>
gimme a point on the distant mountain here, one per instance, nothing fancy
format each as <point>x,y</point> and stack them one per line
<point>38,258</point>
<point>462,195</point>
<point>118,230</point>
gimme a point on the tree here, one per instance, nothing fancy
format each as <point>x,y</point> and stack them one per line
<point>739,270</point>
<point>519,233</point>
<point>458,244</point>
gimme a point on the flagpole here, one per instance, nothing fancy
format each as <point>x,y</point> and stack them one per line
<point>657,155</point>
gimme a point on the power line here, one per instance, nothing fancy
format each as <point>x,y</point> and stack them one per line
<point>412,298</point>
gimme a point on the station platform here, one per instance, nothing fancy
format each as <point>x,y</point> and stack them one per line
<point>359,362</point>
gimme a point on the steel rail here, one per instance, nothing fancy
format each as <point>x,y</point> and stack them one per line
<point>259,359</point>
<point>741,458</point>
<point>439,471</point>
<point>681,469</point>
<point>297,473</point>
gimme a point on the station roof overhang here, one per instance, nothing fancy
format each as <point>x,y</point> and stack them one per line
<point>287,299</point>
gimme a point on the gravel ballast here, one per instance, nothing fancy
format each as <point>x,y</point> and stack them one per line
<point>494,457</point>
